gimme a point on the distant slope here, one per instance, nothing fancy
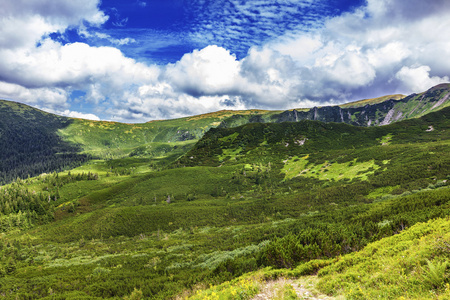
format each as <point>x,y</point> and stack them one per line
<point>265,142</point>
<point>33,141</point>
<point>29,143</point>
<point>371,112</point>
<point>372,101</point>
<point>153,139</point>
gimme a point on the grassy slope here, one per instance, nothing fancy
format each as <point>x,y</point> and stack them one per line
<point>418,105</point>
<point>153,139</point>
<point>405,265</point>
<point>263,143</point>
<point>118,232</point>
<point>372,101</point>
<point>157,138</point>
<point>410,265</point>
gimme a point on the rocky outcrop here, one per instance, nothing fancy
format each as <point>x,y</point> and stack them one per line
<point>361,116</point>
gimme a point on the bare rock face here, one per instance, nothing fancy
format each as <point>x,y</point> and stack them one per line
<point>378,114</point>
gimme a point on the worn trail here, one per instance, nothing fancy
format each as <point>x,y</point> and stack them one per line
<point>304,290</point>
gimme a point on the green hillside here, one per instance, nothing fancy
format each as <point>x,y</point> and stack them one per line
<point>30,144</point>
<point>410,265</point>
<point>33,142</point>
<point>300,196</point>
<point>153,139</point>
<point>372,101</point>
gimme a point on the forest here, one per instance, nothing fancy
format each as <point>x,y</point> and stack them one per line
<point>30,144</point>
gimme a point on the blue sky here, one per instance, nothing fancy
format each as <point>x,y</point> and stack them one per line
<point>139,60</point>
<point>162,31</point>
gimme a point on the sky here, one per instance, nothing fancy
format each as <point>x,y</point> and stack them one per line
<point>140,60</point>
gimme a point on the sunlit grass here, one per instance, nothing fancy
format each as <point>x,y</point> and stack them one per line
<point>329,170</point>
<point>394,267</point>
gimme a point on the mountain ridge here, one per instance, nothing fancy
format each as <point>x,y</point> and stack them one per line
<point>25,127</point>
<point>374,113</point>
<point>225,113</point>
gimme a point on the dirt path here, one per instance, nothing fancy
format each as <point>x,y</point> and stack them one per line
<point>303,288</point>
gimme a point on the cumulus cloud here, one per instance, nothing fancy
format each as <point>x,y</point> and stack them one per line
<point>79,115</point>
<point>160,100</point>
<point>357,55</point>
<point>75,65</point>
<point>210,71</point>
<point>39,97</point>
<point>63,11</point>
<point>27,73</point>
<point>23,23</point>
<point>418,79</point>
<point>370,51</point>
<point>37,70</point>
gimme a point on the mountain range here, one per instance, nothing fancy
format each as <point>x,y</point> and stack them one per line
<point>34,142</point>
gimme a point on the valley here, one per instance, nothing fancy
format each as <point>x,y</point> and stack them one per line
<point>215,206</point>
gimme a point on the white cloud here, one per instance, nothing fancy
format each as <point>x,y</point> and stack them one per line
<point>23,23</point>
<point>386,56</point>
<point>83,31</point>
<point>61,12</point>
<point>42,72</point>
<point>301,49</point>
<point>239,25</point>
<point>102,72</point>
<point>418,79</point>
<point>29,73</point>
<point>124,41</point>
<point>356,55</point>
<point>361,54</point>
<point>351,70</point>
<point>400,11</point>
<point>79,115</point>
<point>210,71</point>
<point>141,3</point>
<point>45,98</point>
<point>160,101</point>
<point>32,29</point>
<point>71,65</point>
